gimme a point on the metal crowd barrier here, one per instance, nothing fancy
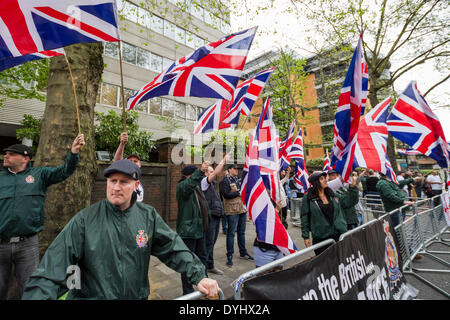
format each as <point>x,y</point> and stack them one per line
<point>238,282</point>
<point>424,224</point>
<point>196,295</point>
<point>296,204</point>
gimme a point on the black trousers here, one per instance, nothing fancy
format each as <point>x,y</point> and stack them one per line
<point>322,249</point>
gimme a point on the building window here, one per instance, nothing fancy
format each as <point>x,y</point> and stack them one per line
<point>155,106</point>
<point>180,35</point>
<point>143,58</point>
<point>196,11</point>
<point>129,11</point>
<point>157,24</point>
<point>168,107</point>
<point>128,53</point>
<point>180,110</point>
<point>198,42</point>
<point>167,63</point>
<point>144,18</point>
<point>127,93</point>
<point>109,94</point>
<point>111,49</point>
<point>190,42</point>
<point>191,112</point>
<point>156,62</point>
<point>169,29</point>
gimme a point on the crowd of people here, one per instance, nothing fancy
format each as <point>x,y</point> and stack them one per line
<point>120,232</point>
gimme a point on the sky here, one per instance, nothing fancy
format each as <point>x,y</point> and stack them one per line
<point>277,28</point>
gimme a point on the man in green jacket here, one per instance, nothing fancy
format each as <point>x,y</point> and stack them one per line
<point>393,196</point>
<point>106,248</point>
<point>193,215</point>
<point>348,198</point>
<point>22,198</point>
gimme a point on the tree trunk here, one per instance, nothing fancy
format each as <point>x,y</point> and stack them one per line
<point>59,129</point>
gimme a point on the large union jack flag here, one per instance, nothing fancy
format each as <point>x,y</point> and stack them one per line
<point>255,194</point>
<point>211,71</point>
<point>268,142</point>
<point>285,148</point>
<point>211,119</point>
<point>7,63</point>
<point>30,26</point>
<point>326,162</point>
<point>346,122</point>
<point>371,149</point>
<point>301,174</point>
<point>413,122</point>
<point>245,96</point>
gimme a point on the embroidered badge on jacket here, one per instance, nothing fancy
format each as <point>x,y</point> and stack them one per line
<point>142,239</point>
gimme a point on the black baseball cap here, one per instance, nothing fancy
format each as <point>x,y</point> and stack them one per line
<point>232,166</point>
<point>20,149</point>
<point>124,166</point>
<point>316,175</point>
<point>332,171</point>
<point>188,170</point>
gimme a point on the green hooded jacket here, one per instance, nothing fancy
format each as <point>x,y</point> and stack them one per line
<point>314,221</point>
<point>22,196</point>
<point>348,199</point>
<point>392,194</point>
<point>190,218</point>
<point>112,249</point>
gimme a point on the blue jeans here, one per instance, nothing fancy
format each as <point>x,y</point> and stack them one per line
<point>395,218</point>
<point>198,247</point>
<point>211,237</point>
<point>236,223</point>
<point>224,223</point>
<point>25,257</point>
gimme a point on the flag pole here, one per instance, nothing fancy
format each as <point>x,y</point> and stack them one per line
<point>124,113</point>
<point>74,93</point>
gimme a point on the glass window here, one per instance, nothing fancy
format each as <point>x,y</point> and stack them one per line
<point>157,24</point>
<point>109,94</point>
<point>180,35</point>
<point>142,107</point>
<point>216,22</point>
<point>111,49</point>
<point>208,17</point>
<point>224,26</point>
<point>168,107</point>
<point>127,93</point>
<point>128,53</point>
<point>190,39</point>
<point>143,58</point>
<point>129,11</point>
<point>191,112</point>
<point>198,42</point>
<point>169,29</point>
<point>180,110</point>
<point>144,17</point>
<point>199,111</point>
<point>167,63</point>
<point>197,11</point>
<point>155,105</point>
<point>156,62</point>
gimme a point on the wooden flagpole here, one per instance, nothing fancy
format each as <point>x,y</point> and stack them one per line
<point>124,113</point>
<point>74,93</point>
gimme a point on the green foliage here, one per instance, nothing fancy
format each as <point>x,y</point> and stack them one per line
<point>31,129</point>
<point>315,163</point>
<point>109,128</point>
<point>25,81</point>
<point>286,89</point>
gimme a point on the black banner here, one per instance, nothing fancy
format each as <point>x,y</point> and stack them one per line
<point>365,265</point>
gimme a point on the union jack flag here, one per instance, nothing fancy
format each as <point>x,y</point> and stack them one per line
<point>7,63</point>
<point>346,122</point>
<point>30,26</point>
<point>211,119</point>
<point>268,146</point>
<point>285,148</point>
<point>301,174</point>
<point>371,148</point>
<point>211,71</point>
<point>326,162</point>
<point>245,96</point>
<point>255,196</point>
<point>413,122</point>
<point>296,151</point>
<point>408,152</point>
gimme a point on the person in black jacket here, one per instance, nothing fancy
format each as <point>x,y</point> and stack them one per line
<point>230,188</point>
<point>208,185</point>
